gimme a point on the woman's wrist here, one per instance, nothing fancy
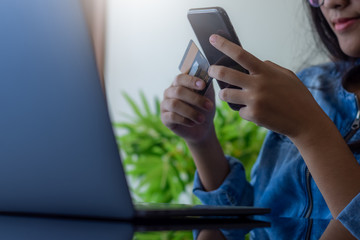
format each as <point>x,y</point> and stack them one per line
<point>210,161</point>
<point>318,131</point>
<point>204,141</point>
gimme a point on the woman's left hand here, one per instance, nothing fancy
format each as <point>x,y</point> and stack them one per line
<point>273,96</point>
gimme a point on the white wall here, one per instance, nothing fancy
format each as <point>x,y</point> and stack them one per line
<point>147,39</point>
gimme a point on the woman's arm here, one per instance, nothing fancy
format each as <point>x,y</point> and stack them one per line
<point>210,162</point>
<point>335,230</point>
<point>331,163</point>
<point>190,115</point>
<point>276,99</point>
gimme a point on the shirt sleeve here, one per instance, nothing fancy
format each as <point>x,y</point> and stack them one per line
<point>350,216</point>
<point>234,191</point>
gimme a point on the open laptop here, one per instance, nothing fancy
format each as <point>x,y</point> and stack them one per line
<point>58,153</point>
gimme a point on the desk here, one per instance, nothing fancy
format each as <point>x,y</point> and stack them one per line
<point>39,228</point>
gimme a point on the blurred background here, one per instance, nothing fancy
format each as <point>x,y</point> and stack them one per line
<point>145,42</point>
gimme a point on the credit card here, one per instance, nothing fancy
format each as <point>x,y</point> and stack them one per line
<point>195,64</point>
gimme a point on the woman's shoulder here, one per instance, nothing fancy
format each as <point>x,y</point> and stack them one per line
<point>325,74</point>
<point>325,82</point>
<point>317,75</point>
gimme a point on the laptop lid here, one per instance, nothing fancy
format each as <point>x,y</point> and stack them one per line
<point>58,154</point>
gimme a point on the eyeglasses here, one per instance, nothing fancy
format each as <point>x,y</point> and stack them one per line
<point>316,3</point>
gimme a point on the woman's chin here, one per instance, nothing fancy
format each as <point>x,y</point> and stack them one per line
<point>352,50</point>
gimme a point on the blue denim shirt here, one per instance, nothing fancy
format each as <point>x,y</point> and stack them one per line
<point>280,178</point>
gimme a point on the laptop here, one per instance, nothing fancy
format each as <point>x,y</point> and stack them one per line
<point>58,154</point>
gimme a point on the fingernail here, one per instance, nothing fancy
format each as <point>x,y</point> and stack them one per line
<point>198,84</point>
<point>221,94</point>
<point>209,70</point>
<point>213,38</point>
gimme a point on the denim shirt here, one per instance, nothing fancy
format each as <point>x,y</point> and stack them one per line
<point>280,178</point>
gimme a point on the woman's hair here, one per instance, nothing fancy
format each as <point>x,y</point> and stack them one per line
<point>329,40</point>
<point>326,34</point>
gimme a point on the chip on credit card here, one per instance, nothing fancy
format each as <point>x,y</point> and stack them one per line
<point>195,64</point>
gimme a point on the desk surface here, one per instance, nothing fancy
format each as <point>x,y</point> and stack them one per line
<point>27,227</point>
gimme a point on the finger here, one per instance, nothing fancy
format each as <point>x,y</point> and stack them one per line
<point>172,119</point>
<point>244,113</point>
<point>235,96</point>
<point>276,66</point>
<point>272,64</point>
<point>237,53</point>
<point>182,109</point>
<point>230,76</point>
<point>188,81</point>
<point>190,97</point>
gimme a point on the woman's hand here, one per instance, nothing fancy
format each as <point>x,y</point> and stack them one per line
<point>273,96</point>
<point>276,99</point>
<point>187,113</point>
<point>190,116</point>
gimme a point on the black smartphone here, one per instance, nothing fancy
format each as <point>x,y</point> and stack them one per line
<point>214,20</point>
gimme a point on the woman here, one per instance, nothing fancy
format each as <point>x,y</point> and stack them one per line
<point>309,115</point>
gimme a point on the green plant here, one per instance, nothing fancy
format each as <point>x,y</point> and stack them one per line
<point>166,235</point>
<point>158,162</point>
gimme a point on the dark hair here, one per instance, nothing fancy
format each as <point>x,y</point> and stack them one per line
<point>329,40</point>
<point>326,35</point>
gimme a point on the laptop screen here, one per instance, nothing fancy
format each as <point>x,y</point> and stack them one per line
<point>58,154</point>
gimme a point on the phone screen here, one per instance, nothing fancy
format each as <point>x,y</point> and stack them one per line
<point>208,21</point>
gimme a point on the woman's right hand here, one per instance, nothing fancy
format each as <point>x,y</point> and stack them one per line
<point>187,113</point>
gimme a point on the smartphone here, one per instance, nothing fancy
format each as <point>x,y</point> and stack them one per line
<point>214,20</point>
